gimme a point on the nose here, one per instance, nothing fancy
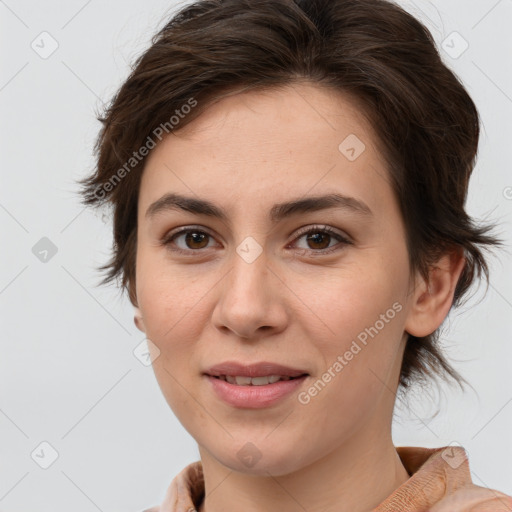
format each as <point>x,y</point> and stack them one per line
<point>250,301</point>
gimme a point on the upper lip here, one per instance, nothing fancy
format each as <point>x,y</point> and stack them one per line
<point>260,369</point>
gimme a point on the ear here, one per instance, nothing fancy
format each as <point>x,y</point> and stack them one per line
<point>137,317</point>
<point>431,300</point>
<point>138,320</point>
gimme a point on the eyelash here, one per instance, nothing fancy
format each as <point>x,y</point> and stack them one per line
<point>167,240</point>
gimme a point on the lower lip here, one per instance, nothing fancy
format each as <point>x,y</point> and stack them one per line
<point>254,397</point>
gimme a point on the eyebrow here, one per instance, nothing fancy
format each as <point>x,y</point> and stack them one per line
<point>277,213</point>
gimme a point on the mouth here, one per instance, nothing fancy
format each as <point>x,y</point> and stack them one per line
<point>242,374</point>
<point>254,385</point>
<point>244,392</point>
<point>242,380</point>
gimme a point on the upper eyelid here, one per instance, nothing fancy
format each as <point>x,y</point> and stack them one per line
<point>301,230</point>
<point>321,227</point>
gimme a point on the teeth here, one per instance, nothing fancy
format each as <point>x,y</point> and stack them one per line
<point>243,381</point>
<point>255,381</point>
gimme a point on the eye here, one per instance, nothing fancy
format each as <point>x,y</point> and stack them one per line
<point>194,240</point>
<point>322,236</point>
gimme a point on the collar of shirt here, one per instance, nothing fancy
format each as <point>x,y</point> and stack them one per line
<point>435,474</point>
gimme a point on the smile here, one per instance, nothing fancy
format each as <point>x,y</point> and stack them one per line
<point>254,392</point>
<point>254,381</point>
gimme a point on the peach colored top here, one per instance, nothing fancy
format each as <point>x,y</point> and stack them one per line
<point>440,481</point>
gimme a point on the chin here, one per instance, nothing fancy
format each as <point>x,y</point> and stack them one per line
<point>250,460</point>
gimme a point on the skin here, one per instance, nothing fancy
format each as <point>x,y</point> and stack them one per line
<point>291,305</point>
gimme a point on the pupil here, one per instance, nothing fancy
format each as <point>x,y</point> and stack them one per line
<point>315,236</point>
<point>191,236</point>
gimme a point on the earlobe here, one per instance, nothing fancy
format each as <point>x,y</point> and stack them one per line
<point>431,300</point>
<point>138,320</point>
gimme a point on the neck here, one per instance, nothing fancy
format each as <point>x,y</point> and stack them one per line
<point>356,477</point>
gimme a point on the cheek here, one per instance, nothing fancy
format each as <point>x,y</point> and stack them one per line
<point>365,316</point>
<point>174,318</point>
<point>168,297</point>
<point>347,303</point>
<point>358,364</point>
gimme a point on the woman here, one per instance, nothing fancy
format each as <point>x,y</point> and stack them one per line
<point>288,181</point>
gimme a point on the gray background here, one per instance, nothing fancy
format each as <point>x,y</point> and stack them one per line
<point>68,374</point>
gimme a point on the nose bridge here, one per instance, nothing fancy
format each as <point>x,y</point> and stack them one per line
<point>247,300</point>
<point>249,274</point>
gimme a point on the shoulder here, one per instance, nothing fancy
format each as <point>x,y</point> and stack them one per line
<point>441,482</point>
<point>473,498</point>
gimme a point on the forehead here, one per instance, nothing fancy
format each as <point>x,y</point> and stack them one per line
<point>277,142</point>
<point>278,115</point>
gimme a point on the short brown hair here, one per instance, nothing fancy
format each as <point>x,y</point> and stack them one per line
<point>373,50</point>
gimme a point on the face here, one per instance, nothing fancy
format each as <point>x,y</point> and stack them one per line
<point>322,288</point>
